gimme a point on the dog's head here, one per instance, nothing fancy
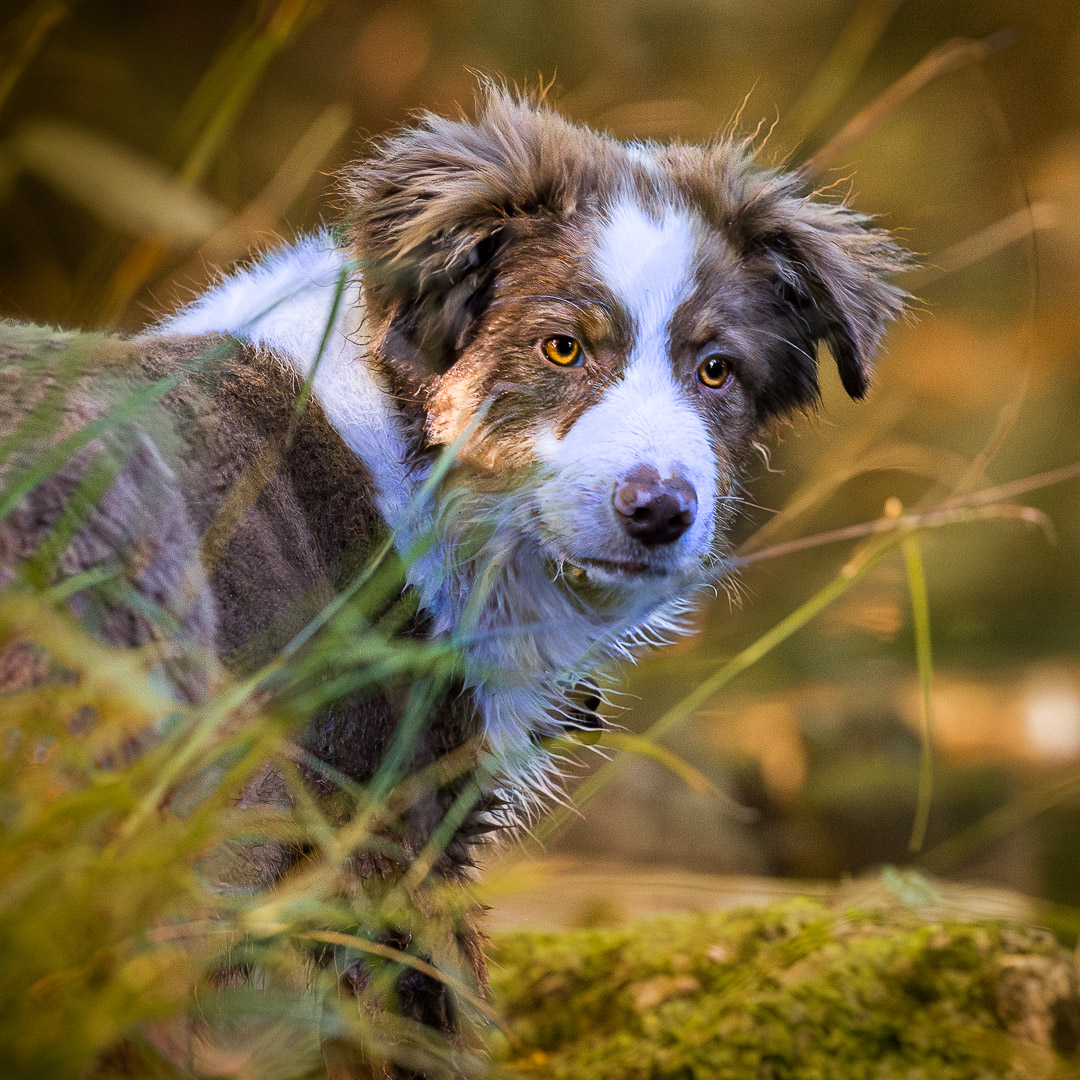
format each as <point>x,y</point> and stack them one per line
<point>629,315</point>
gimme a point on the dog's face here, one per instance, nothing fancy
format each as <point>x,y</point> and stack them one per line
<point>626,317</point>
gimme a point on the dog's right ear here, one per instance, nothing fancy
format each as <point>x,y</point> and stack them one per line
<point>432,213</point>
<point>830,271</point>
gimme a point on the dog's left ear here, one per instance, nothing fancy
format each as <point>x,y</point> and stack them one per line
<point>434,210</point>
<point>426,243</point>
<point>831,270</point>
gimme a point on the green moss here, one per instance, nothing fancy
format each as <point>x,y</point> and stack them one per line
<point>793,990</point>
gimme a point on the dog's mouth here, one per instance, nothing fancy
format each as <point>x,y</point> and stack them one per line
<point>614,568</point>
<point>583,571</point>
<point>580,570</point>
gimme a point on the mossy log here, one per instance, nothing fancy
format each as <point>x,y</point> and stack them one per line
<point>790,991</point>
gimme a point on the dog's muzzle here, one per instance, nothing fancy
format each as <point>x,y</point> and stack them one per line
<point>652,510</point>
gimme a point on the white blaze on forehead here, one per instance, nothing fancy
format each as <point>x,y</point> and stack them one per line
<point>647,417</point>
<point>647,262</point>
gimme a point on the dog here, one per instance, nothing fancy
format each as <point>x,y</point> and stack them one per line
<point>538,359</point>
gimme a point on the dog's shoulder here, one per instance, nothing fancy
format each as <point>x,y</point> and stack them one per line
<point>252,412</point>
<point>286,511</point>
<point>211,435</point>
<point>88,475</point>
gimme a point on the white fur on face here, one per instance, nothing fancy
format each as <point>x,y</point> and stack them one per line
<point>284,304</point>
<point>644,419</point>
<point>647,263</point>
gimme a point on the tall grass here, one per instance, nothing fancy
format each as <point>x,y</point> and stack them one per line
<point>135,935</point>
<point>135,927</point>
<point>131,939</point>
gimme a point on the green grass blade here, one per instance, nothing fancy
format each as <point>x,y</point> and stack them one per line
<point>134,405</point>
<point>31,30</point>
<point>920,609</point>
<point>734,667</point>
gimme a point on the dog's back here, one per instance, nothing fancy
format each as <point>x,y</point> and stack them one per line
<point>224,497</point>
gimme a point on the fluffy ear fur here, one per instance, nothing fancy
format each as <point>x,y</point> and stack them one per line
<point>830,270</point>
<point>437,206</point>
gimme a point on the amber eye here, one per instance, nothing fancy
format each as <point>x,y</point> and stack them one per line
<point>562,350</point>
<point>714,371</point>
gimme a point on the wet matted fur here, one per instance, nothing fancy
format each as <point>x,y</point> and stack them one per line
<point>600,330</point>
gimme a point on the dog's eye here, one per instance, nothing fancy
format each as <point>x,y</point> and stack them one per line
<point>714,371</point>
<point>562,350</point>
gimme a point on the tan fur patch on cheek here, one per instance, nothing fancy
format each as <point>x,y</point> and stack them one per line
<point>452,406</point>
<point>502,459</point>
<point>505,458</point>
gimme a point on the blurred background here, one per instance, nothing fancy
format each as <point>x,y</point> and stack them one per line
<point>145,144</point>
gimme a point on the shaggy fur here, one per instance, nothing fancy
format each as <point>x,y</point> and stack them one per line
<point>469,246</point>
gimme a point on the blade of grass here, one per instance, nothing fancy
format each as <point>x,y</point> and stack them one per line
<point>99,476</point>
<point>416,508</point>
<point>212,86</point>
<point>1012,815</point>
<point>280,27</point>
<point>264,212</point>
<point>1009,414</point>
<point>691,776</point>
<point>920,608</point>
<point>24,615</point>
<point>860,445</point>
<point>626,742</point>
<point>261,469</point>
<point>58,374</point>
<point>30,32</point>
<point>841,67</point>
<point>397,956</point>
<point>1018,226</point>
<point>471,794</point>
<point>931,519</point>
<point>911,459</point>
<point>320,879</point>
<point>24,481</point>
<point>891,531</point>
<point>949,56</point>
<point>245,74</point>
<point>844,580</point>
<point>126,190</point>
<point>423,695</point>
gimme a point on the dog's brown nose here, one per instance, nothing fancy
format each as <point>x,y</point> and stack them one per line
<point>652,510</point>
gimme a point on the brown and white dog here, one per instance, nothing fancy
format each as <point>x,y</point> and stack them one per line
<point>602,329</point>
<point>627,317</point>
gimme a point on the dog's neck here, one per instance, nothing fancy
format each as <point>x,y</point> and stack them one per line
<point>529,640</point>
<point>302,305</point>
